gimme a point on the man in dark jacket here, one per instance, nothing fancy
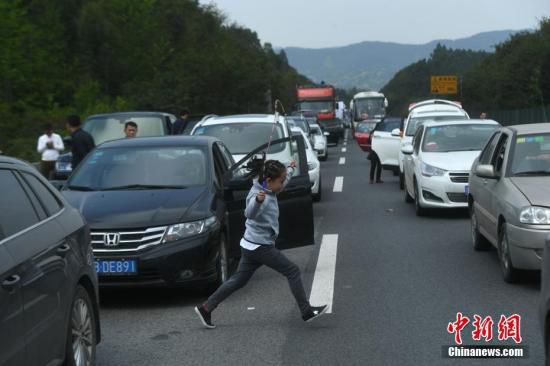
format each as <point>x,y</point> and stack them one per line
<point>81,141</point>
<point>179,126</point>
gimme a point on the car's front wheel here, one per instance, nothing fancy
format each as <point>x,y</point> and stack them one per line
<point>478,241</point>
<point>509,272</point>
<point>222,264</point>
<point>420,211</point>
<point>317,196</point>
<point>82,333</point>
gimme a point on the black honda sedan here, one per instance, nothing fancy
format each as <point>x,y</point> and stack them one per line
<point>49,312</point>
<point>169,210</point>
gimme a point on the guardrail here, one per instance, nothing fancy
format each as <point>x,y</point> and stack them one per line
<point>520,116</point>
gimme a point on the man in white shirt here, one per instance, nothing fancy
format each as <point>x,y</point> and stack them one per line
<point>49,145</point>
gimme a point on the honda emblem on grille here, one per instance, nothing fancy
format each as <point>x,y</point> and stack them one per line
<point>111,239</point>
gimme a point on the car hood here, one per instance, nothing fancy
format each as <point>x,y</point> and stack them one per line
<point>535,189</point>
<point>460,161</point>
<point>138,208</point>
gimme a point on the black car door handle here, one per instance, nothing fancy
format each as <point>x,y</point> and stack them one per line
<point>63,249</point>
<point>10,282</point>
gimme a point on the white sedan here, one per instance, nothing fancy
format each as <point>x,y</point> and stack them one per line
<point>319,141</point>
<point>438,163</point>
<point>313,164</point>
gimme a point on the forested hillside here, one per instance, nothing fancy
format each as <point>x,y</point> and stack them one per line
<point>515,76</point>
<point>75,56</point>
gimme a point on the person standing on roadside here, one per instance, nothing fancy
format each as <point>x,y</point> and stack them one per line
<point>258,244</point>
<point>181,123</point>
<point>130,129</point>
<point>49,145</point>
<point>81,141</point>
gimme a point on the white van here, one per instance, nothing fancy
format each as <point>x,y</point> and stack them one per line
<point>432,110</point>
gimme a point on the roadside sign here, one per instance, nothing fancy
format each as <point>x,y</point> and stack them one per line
<point>444,84</point>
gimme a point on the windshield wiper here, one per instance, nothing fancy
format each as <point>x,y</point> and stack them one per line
<point>81,188</point>
<point>533,172</point>
<point>141,186</point>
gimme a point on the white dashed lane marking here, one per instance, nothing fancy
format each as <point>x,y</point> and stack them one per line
<point>338,184</point>
<point>322,289</point>
<point>342,161</point>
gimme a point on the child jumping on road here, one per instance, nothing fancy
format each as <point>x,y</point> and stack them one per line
<point>258,244</point>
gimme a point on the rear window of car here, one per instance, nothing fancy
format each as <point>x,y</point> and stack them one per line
<point>389,125</point>
<point>106,128</point>
<point>243,138</point>
<point>416,122</point>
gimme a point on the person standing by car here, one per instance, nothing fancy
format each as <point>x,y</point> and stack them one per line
<point>130,129</point>
<point>81,141</point>
<point>49,145</point>
<point>258,244</point>
<point>181,122</point>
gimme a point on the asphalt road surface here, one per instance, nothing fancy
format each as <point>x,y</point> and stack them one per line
<point>398,281</point>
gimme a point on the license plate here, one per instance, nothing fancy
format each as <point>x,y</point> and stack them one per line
<point>467,190</point>
<point>116,267</point>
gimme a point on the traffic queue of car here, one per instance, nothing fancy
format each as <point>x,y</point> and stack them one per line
<point>500,174</point>
<point>157,210</point>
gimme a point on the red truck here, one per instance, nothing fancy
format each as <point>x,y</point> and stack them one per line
<point>321,101</point>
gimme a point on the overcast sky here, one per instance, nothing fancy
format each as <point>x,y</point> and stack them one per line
<point>322,23</point>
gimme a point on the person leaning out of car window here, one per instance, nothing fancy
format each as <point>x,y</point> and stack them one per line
<point>49,145</point>
<point>81,141</point>
<point>130,129</point>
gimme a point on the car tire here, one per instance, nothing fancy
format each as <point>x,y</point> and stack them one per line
<point>317,196</point>
<point>401,181</point>
<point>509,273</point>
<point>420,211</point>
<point>81,340</point>
<point>222,263</point>
<point>479,242</point>
<point>408,198</point>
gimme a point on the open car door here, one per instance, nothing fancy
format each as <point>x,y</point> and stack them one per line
<point>295,204</point>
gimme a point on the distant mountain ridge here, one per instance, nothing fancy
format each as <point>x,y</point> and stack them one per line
<point>371,64</point>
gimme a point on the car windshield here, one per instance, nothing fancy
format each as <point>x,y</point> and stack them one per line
<point>369,108</point>
<point>106,128</point>
<point>531,155</point>
<point>470,137</point>
<point>141,168</point>
<point>366,127</point>
<point>317,106</point>
<point>300,123</point>
<point>416,122</point>
<point>242,138</point>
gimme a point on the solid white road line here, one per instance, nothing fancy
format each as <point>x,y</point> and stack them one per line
<point>342,161</point>
<point>322,289</point>
<point>338,184</point>
<point>344,149</point>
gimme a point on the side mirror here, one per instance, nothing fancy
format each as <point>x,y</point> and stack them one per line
<point>407,149</point>
<point>386,102</point>
<point>326,133</point>
<point>396,132</point>
<point>485,171</point>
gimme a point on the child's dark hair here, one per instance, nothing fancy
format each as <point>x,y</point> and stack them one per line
<point>267,169</point>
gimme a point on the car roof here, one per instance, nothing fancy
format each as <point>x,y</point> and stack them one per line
<point>437,109</point>
<point>15,163</point>
<point>530,128</point>
<point>179,140</point>
<point>130,113</point>
<point>488,122</point>
<point>240,118</point>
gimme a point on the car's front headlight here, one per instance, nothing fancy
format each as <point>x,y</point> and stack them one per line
<point>535,215</point>
<point>431,171</point>
<point>188,229</point>
<point>311,165</point>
